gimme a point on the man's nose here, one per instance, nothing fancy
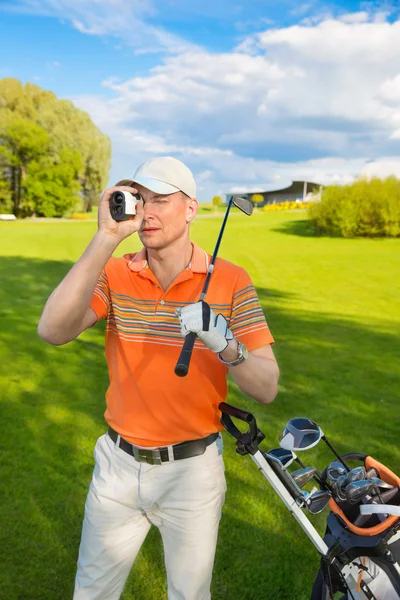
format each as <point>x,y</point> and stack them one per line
<point>148,208</point>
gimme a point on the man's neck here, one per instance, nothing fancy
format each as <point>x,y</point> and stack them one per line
<point>167,263</point>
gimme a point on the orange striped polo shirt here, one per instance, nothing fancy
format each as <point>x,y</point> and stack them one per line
<point>146,402</point>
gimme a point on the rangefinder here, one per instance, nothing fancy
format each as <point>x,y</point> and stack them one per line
<point>123,205</point>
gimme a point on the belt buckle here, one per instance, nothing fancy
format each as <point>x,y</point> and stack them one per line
<point>151,457</point>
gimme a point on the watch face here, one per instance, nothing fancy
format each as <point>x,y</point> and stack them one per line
<point>244,351</point>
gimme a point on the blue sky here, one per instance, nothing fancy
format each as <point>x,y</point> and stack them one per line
<point>250,95</point>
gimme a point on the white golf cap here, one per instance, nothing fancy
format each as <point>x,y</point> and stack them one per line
<point>166,175</point>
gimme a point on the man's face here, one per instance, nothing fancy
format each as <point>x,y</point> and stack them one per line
<point>166,218</point>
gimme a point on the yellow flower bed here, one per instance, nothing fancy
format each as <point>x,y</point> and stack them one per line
<point>79,216</point>
<point>287,205</point>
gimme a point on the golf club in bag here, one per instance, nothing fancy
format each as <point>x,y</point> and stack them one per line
<point>360,551</point>
<point>182,366</point>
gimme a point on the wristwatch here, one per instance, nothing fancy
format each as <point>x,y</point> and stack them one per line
<point>243,354</point>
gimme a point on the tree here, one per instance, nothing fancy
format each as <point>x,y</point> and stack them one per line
<point>55,145</point>
<point>217,201</point>
<point>52,188</point>
<point>73,128</point>
<point>23,141</point>
<point>257,198</point>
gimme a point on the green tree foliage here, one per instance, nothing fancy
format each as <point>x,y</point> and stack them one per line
<point>364,208</point>
<point>217,201</point>
<point>44,180</point>
<point>52,157</point>
<point>23,141</point>
<point>257,198</point>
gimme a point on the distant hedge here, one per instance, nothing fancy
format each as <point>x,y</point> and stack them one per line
<point>364,208</point>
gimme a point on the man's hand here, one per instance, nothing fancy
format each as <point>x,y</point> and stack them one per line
<point>118,230</point>
<point>201,320</point>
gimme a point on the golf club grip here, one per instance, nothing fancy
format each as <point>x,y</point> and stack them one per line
<point>182,366</point>
<point>229,411</point>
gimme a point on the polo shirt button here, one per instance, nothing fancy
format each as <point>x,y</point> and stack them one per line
<point>162,302</point>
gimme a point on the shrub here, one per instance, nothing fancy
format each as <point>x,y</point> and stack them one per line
<point>364,208</point>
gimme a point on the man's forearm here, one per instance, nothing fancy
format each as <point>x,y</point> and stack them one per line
<point>257,377</point>
<point>66,307</point>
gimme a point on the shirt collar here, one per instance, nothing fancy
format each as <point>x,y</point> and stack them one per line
<point>198,263</point>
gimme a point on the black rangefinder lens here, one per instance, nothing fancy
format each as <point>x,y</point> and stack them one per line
<point>123,205</point>
<point>119,198</point>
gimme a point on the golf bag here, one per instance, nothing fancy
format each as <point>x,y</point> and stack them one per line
<point>360,551</point>
<point>366,544</point>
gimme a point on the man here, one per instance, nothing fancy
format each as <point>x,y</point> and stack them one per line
<point>160,461</point>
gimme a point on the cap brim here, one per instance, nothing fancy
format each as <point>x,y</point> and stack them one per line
<point>157,186</point>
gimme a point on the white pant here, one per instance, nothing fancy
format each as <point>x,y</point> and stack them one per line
<point>182,498</point>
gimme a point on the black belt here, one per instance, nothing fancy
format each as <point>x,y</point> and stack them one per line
<point>157,456</point>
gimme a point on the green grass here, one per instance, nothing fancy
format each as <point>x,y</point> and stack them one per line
<point>333,307</point>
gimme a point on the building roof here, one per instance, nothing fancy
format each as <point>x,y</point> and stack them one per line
<point>295,187</point>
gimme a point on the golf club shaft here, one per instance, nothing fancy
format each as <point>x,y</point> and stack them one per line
<point>335,453</point>
<point>290,503</point>
<point>182,366</point>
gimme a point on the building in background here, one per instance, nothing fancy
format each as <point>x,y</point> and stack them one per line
<point>298,191</point>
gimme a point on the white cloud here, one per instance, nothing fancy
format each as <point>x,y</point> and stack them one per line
<point>390,89</point>
<point>357,17</point>
<point>383,167</point>
<point>247,118</point>
<point>127,20</point>
<point>301,9</point>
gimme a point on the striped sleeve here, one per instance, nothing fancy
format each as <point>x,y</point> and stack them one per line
<point>101,297</point>
<point>247,321</point>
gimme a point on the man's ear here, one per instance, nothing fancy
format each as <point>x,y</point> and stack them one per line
<point>191,209</point>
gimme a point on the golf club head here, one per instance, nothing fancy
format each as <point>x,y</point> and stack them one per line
<point>300,434</point>
<point>243,204</point>
<point>285,457</point>
<point>316,502</point>
<point>356,490</point>
<point>372,473</point>
<point>334,471</point>
<point>387,495</point>
<point>303,476</point>
<point>356,474</point>
<point>380,483</point>
<point>338,488</point>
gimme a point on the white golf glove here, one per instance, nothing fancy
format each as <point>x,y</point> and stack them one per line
<point>211,329</point>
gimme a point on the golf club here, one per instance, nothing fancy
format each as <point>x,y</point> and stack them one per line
<point>285,457</point>
<point>303,476</point>
<point>334,470</point>
<point>302,434</point>
<point>338,488</point>
<point>357,490</point>
<point>372,473</point>
<point>182,366</point>
<point>316,502</point>
<point>380,483</point>
<point>356,474</point>
<point>279,467</point>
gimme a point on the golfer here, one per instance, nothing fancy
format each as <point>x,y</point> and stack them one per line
<point>160,461</point>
